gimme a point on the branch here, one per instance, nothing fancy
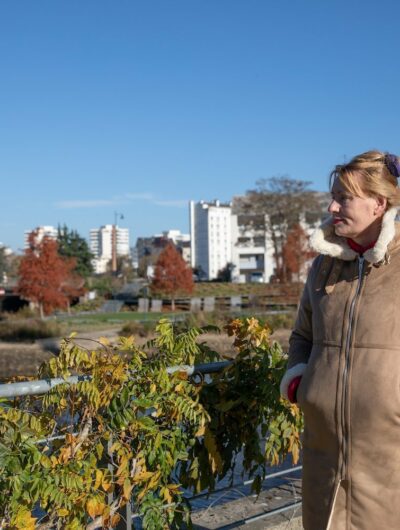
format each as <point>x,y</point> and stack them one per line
<point>46,526</point>
<point>84,434</point>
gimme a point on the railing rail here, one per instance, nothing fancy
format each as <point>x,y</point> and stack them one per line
<point>41,386</point>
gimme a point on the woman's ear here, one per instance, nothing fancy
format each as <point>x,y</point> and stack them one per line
<point>381,205</point>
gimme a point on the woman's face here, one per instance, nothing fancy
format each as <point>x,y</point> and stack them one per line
<point>358,218</point>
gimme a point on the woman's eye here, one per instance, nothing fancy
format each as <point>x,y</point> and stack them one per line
<point>343,198</point>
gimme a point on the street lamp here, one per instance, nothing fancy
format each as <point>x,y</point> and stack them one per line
<point>117,216</point>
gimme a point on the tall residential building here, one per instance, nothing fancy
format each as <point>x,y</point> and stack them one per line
<point>42,231</point>
<point>100,243</point>
<point>210,236</point>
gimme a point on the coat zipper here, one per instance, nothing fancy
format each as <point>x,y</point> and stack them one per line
<point>347,365</point>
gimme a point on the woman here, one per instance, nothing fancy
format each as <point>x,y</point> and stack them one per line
<point>344,355</point>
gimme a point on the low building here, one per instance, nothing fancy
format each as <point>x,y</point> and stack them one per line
<point>148,249</point>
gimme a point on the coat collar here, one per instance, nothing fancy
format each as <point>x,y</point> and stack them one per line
<point>325,241</point>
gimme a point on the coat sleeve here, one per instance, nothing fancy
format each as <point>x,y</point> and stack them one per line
<point>301,338</point>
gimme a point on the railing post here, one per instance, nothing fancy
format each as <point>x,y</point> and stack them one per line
<point>125,523</point>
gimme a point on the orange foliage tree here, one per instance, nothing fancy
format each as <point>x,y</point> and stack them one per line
<point>172,276</point>
<point>44,276</point>
<point>296,254</point>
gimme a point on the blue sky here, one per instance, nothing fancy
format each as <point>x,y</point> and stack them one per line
<point>138,107</point>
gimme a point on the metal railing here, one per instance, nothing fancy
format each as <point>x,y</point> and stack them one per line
<point>41,386</point>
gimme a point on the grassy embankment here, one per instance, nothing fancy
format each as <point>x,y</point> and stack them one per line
<point>26,328</point>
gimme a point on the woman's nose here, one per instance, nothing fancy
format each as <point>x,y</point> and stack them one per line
<point>333,207</point>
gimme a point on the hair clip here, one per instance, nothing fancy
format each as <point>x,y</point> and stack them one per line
<point>393,164</point>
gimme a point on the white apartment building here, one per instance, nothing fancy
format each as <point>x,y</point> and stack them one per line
<point>219,237</point>
<point>210,236</point>
<point>42,231</point>
<point>100,242</point>
<point>252,253</point>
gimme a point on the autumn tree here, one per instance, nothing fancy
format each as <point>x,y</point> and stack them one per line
<point>73,287</point>
<point>44,274</point>
<point>172,275</point>
<point>296,253</point>
<point>72,245</point>
<point>274,208</point>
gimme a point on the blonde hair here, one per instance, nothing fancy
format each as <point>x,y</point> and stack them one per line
<point>368,175</point>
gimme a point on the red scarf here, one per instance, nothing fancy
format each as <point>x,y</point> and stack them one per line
<point>359,248</point>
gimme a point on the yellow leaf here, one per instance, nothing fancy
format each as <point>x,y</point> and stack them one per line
<point>127,489</point>
<point>91,508</point>
<point>104,341</point>
<point>99,478</point>
<point>295,453</point>
<point>106,484</point>
<point>115,520</point>
<point>154,480</point>
<point>164,492</point>
<point>69,438</point>
<point>213,454</point>
<point>45,461</point>
<point>200,431</point>
<point>62,512</point>
<point>94,507</point>
<point>24,520</point>
<point>143,476</point>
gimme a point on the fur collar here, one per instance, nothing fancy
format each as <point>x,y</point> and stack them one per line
<point>325,241</point>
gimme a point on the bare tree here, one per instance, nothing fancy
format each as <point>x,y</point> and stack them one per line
<point>274,208</point>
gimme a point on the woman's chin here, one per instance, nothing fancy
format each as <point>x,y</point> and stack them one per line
<point>341,231</point>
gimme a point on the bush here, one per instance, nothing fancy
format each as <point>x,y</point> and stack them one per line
<point>22,314</point>
<point>28,330</point>
<point>201,318</point>
<point>89,305</point>
<point>140,433</point>
<point>140,329</point>
<point>281,320</point>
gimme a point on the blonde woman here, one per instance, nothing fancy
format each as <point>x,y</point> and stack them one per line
<point>344,355</point>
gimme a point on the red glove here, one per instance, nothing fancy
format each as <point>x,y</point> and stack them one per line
<point>292,389</point>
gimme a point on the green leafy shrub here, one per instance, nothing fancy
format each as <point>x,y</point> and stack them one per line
<point>135,430</point>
